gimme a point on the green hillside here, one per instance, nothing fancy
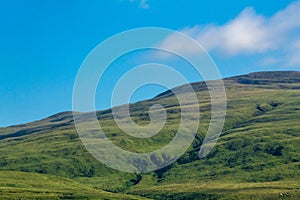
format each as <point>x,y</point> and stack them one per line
<point>256,157</point>
<point>20,185</point>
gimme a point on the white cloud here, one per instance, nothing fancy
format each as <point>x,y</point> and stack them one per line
<point>248,33</point>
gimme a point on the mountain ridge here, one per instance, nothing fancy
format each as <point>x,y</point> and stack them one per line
<point>293,77</point>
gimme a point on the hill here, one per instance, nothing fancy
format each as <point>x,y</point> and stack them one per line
<point>20,185</point>
<point>256,157</point>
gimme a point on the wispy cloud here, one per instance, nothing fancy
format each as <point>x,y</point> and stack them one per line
<point>249,33</point>
<point>144,4</point>
<point>293,57</point>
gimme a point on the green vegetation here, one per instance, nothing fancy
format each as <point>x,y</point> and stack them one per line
<point>20,185</point>
<point>257,156</point>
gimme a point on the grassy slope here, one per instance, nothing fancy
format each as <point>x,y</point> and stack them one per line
<point>24,185</point>
<point>256,157</point>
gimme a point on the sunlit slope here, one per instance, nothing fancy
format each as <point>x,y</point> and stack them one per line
<point>258,150</point>
<point>24,185</point>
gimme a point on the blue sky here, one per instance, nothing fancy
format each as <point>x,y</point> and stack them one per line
<point>43,43</point>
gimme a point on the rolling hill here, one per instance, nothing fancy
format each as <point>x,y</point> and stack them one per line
<point>256,157</point>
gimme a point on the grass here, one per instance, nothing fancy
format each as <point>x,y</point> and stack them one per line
<point>256,157</point>
<point>24,185</point>
<point>223,190</point>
